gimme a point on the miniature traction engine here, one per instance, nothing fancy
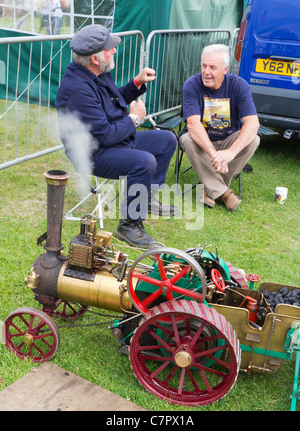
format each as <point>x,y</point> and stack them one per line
<point>189,322</point>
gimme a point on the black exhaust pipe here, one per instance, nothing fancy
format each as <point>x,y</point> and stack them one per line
<point>56,183</point>
<point>45,270</point>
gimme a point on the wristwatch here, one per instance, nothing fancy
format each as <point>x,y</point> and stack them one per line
<point>135,118</point>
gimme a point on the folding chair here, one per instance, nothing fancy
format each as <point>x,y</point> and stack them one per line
<point>101,199</point>
<point>262,131</point>
<point>194,185</point>
<point>176,120</point>
<point>171,123</point>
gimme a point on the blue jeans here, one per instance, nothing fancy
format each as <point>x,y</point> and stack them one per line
<point>56,22</point>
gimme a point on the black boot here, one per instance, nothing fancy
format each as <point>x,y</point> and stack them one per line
<point>133,232</point>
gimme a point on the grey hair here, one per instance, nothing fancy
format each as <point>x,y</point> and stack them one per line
<point>223,49</point>
<point>85,61</point>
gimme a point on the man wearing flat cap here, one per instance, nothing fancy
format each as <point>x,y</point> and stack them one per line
<point>89,91</point>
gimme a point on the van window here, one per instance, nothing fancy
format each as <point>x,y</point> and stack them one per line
<point>276,23</point>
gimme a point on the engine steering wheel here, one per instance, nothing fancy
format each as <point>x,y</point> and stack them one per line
<point>218,280</point>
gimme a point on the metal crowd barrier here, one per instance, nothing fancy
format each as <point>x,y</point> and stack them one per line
<point>31,69</point>
<point>175,55</point>
<point>34,16</point>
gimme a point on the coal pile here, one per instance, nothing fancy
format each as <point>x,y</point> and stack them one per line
<point>284,295</point>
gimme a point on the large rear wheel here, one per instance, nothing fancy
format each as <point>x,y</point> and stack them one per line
<point>185,353</point>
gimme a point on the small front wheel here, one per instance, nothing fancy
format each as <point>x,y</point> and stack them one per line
<point>31,334</point>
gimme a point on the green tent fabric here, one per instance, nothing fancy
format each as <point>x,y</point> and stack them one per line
<point>31,80</point>
<point>208,14</point>
<point>143,15</point>
<point>149,15</point>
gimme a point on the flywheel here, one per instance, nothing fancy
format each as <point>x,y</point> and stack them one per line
<point>162,274</point>
<point>185,353</point>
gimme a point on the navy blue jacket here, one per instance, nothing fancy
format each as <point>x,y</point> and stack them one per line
<point>100,104</point>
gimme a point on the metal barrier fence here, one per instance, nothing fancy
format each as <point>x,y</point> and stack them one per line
<point>175,56</point>
<point>25,109</point>
<point>31,69</point>
<point>36,16</point>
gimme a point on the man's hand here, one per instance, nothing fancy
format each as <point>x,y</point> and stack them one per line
<point>220,160</point>
<point>137,107</point>
<point>144,76</point>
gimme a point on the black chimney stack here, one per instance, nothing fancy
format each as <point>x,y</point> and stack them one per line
<point>56,182</point>
<point>45,270</point>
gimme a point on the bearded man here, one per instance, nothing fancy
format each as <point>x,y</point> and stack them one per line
<point>88,90</point>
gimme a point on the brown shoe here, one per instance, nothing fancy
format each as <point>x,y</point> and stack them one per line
<point>230,200</point>
<point>207,200</point>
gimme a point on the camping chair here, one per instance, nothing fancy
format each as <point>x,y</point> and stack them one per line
<point>101,199</point>
<point>177,120</point>
<point>171,124</point>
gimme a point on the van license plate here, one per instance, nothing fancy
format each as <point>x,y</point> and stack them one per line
<point>285,68</point>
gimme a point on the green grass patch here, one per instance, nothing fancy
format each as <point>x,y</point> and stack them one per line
<point>261,237</point>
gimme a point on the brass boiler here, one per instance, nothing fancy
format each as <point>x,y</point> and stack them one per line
<point>77,279</point>
<point>105,291</point>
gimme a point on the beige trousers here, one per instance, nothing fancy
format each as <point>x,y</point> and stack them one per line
<point>216,184</point>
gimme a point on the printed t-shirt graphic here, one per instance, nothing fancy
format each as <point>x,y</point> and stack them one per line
<point>216,115</point>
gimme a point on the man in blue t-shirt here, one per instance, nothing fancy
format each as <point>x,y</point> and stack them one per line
<point>222,126</point>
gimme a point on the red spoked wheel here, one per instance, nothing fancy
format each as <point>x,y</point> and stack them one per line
<point>31,334</point>
<point>253,277</point>
<point>193,360</point>
<point>66,310</point>
<point>218,280</point>
<point>174,273</point>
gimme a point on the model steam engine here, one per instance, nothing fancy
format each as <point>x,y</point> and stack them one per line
<point>189,321</point>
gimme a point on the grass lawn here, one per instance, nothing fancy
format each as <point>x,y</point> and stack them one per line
<point>261,237</point>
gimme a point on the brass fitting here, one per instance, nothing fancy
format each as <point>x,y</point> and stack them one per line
<point>32,280</point>
<point>103,239</point>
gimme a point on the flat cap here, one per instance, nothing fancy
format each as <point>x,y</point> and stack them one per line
<point>93,38</point>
